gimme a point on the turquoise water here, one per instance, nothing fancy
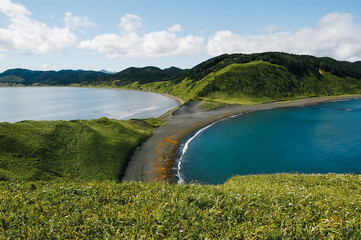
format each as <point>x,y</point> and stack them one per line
<point>65,103</point>
<point>320,138</point>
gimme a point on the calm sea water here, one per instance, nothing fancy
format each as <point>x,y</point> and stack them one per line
<point>320,138</point>
<point>65,103</point>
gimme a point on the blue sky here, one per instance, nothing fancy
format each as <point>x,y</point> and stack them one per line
<point>116,34</point>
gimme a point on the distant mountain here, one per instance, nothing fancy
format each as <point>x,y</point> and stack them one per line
<point>63,77</point>
<point>175,70</point>
<point>107,72</point>
<point>140,75</point>
<point>145,74</point>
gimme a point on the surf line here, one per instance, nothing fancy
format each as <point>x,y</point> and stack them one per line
<point>184,149</point>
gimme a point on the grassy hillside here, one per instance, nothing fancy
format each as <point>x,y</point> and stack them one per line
<point>265,77</point>
<point>262,81</point>
<point>298,65</point>
<point>79,149</point>
<point>248,207</point>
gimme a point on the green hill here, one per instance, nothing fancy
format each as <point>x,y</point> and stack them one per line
<point>264,77</point>
<point>63,77</point>
<point>78,149</point>
<point>141,75</point>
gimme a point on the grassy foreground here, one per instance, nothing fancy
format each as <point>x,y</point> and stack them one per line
<point>79,149</point>
<point>248,207</point>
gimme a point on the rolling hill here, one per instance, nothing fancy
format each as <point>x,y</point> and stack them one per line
<point>78,149</point>
<point>140,75</point>
<point>62,77</point>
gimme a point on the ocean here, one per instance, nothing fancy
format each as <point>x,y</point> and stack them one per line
<point>320,138</point>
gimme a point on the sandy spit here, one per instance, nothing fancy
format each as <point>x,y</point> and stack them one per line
<point>155,158</point>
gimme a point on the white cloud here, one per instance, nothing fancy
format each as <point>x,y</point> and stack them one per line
<point>2,57</point>
<point>151,45</point>
<point>26,35</point>
<point>130,22</point>
<point>75,22</point>
<point>113,45</point>
<point>175,28</point>
<point>13,10</point>
<point>336,35</point>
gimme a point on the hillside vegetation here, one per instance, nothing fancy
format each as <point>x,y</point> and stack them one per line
<point>277,206</point>
<point>63,77</point>
<point>137,76</point>
<point>143,75</point>
<point>264,77</point>
<point>78,149</point>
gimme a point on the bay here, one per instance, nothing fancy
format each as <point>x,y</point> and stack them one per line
<point>320,138</point>
<point>68,103</point>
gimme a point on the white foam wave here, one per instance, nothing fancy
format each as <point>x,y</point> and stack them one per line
<point>184,149</point>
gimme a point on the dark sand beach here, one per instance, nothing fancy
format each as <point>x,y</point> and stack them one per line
<point>155,158</point>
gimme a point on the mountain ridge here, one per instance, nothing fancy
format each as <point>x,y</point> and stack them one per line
<point>62,77</point>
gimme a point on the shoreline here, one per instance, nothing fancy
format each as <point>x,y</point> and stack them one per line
<point>155,160</point>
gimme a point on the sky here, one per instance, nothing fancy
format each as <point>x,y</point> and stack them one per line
<point>117,34</point>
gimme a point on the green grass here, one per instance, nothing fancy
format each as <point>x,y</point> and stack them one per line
<point>280,206</point>
<point>78,149</point>
<point>208,105</point>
